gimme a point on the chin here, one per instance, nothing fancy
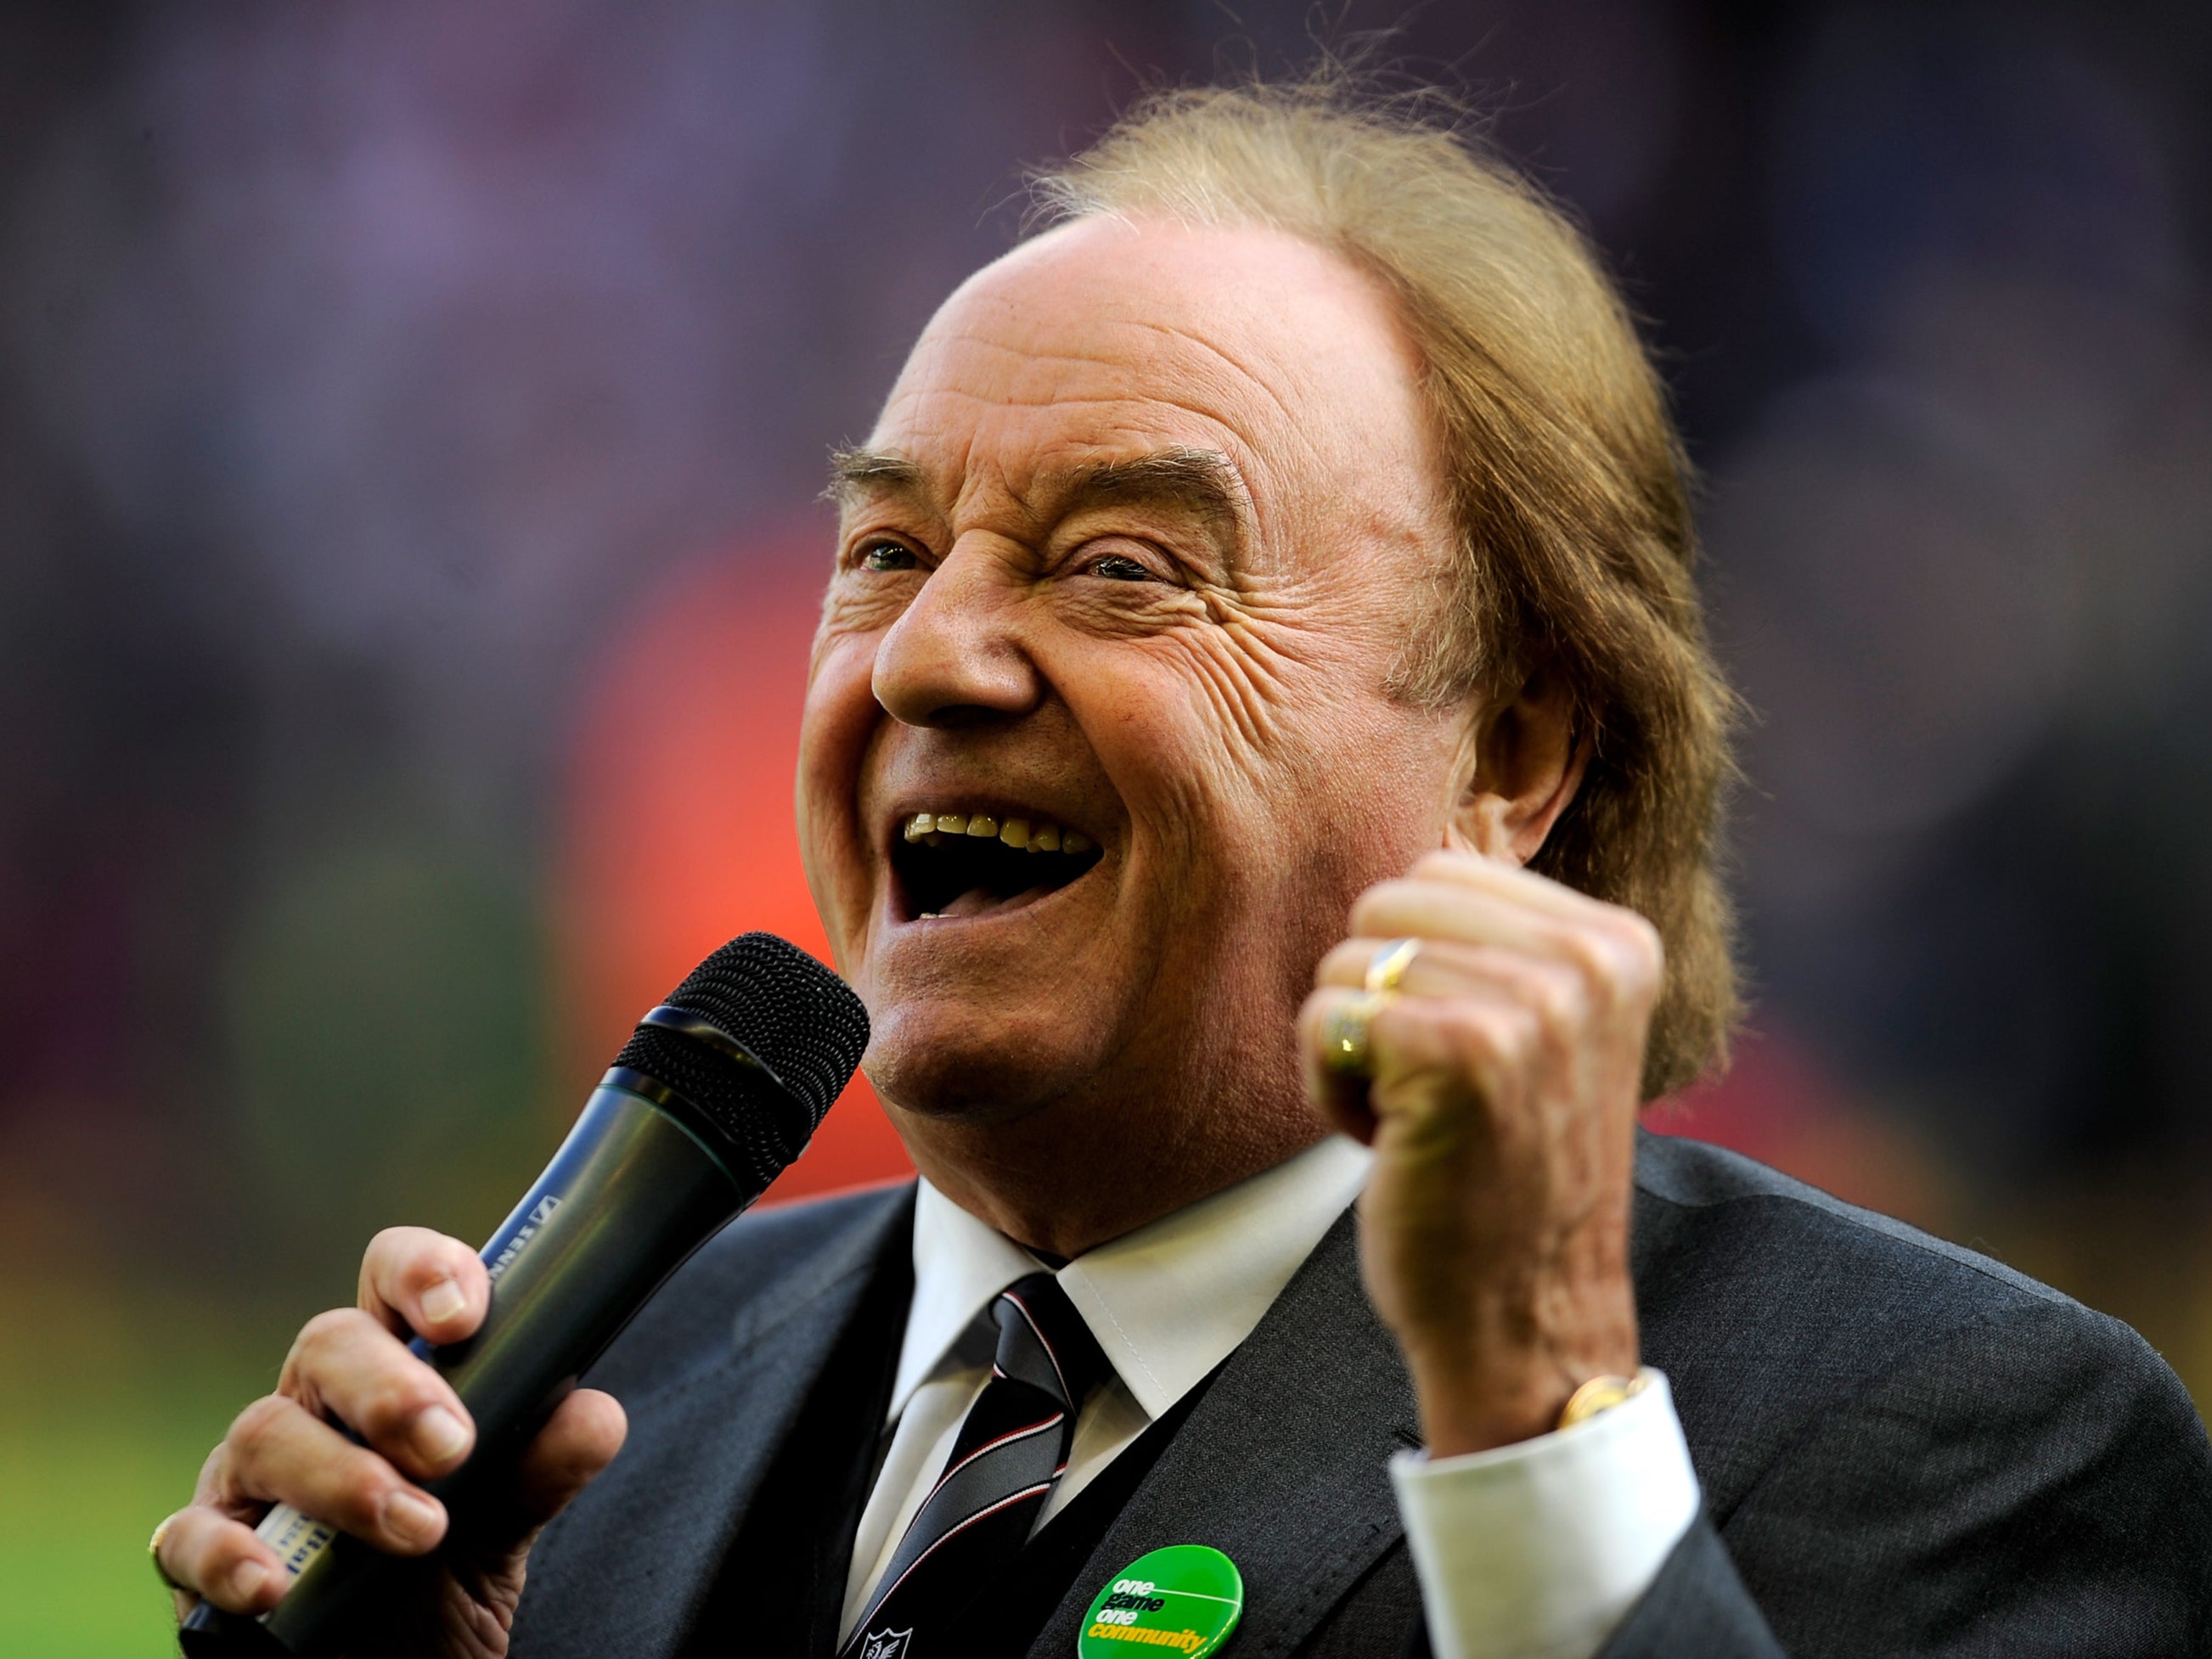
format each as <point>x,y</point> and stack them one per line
<point>929,1058</point>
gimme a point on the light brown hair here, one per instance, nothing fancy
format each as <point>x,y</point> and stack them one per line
<point>1568,482</point>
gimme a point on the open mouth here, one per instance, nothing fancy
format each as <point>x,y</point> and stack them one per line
<point>975,864</point>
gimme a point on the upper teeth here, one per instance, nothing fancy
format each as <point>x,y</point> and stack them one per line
<point>933,826</point>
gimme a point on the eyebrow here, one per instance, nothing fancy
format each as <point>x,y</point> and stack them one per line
<point>1203,484</point>
<point>855,472</point>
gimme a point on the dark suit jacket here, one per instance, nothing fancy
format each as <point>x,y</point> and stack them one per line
<point>1904,1448</point>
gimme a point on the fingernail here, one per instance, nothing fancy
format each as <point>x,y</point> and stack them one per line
<point>247,1579</point>
<point>440,1435</point>
<point>414,1519</point>
<point>443,1301</point>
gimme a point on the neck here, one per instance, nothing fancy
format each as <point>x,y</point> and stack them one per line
<point>1068,1176</point>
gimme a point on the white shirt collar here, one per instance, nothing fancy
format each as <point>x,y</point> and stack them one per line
<point>1168,1302</point>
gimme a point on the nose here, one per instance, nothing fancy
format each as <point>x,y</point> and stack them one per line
<point>954,658</point>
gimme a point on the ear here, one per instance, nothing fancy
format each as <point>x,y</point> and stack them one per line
<point>1520,762</point>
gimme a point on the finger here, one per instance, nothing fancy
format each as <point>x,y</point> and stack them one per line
<point>578,1440</point>
<point>1632,931</point>
<point>1437,966</point>
<point>1618,954</point>
<point>1462,1077</point>
<point>1480,1047</point>
<point>1480,1044</point>
<point>1512,883</point>
<point>345,1363</point>
<point>424,1284</point>
<point>220,1560</point>
<point>1340,1096</point>
<point>1444,970</point>
<point>278,1452</point>
<point>1407,907</point>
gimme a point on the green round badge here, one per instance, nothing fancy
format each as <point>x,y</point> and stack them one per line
<point>1186,1598</point>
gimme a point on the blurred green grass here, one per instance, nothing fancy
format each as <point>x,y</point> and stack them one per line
<point>73,1570</point>
<point>108,1404</point>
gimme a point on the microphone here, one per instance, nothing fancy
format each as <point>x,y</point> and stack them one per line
<point>717,1090</point>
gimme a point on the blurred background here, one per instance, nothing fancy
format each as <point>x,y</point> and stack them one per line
<point>410,422</point>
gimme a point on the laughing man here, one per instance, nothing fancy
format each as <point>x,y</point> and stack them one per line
<point>1261,672</point>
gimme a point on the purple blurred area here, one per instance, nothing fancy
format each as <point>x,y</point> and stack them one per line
<point>362,367</point>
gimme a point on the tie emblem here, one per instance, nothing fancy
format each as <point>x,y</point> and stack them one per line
<point>886,1643</point>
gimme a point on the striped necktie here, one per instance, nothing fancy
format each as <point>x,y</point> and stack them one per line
<point>1011,1450</point>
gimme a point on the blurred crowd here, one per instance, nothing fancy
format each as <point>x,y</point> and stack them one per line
<point>411,419</point>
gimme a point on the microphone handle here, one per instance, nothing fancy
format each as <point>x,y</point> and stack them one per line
<point>632,1193</point>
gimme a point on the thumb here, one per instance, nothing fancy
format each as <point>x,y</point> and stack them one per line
<point>578,1441</point>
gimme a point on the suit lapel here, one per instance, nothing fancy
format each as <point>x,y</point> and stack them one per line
<point>665,1512</point>
<point>1284,1465</point>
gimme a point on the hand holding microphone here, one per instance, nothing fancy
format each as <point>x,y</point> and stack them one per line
<point>410,1478</point>
<point>353,1365</point>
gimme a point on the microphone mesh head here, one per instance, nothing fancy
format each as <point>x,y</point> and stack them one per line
<point>786,1010</point>
<point>798,1019</point>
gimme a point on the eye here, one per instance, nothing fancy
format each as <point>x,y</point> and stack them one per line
<point>886,556</point>
<point>1116,568</point>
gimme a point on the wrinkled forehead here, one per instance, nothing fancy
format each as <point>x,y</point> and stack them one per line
<point>1105,340</point>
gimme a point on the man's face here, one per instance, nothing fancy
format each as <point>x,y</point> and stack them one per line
<point>1146,523</point>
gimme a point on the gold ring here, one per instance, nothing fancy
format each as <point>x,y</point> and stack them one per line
<point>1344,1039</point>
<point>1386,969</point>
<point>154,1554</point>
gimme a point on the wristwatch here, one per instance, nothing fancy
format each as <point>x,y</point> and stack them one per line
<point>1601,1394</point>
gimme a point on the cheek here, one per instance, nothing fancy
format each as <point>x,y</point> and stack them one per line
<point>1174,765</point>
<point>840,715</point>
<point>1250,744</point>
<point>1302,785</point>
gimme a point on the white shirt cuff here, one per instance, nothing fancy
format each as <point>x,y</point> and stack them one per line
<point>1539,1550</point>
